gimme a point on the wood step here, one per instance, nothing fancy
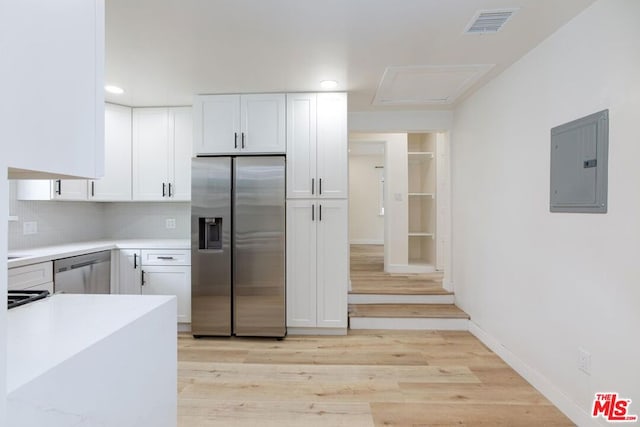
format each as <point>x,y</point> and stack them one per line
<point>408,316</point>
<point>387,286</point>
<point>440,311</point>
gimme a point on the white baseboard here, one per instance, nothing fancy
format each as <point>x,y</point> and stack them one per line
<point>400,299</point>
<point>565,404</point>
<point>316,331</point>
<point>184,327</point>
<point>407,323</point>
<point>366,242</point>
<point>408,268</point>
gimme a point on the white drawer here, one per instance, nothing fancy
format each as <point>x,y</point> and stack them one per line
<point>30,275</point>
<point>166,257</point>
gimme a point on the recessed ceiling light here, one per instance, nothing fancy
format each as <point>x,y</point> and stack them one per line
<point>114,89</point>
<point>328,84</point>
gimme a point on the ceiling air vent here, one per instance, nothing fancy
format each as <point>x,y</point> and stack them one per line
<point>489,21</point>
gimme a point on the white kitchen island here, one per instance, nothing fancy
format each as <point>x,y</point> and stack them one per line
<point>92,360</point>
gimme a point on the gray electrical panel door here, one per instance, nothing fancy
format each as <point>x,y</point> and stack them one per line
<point>579,152</point>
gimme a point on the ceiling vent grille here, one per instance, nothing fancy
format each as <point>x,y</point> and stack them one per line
<point>489,21</point>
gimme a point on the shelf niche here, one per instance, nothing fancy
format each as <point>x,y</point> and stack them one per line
<point>421,168</point>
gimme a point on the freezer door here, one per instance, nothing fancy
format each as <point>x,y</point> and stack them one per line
<point>259,246</point>
<point>211,246</point>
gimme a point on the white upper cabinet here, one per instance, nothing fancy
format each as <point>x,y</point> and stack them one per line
<point>180,176</point>
<point>161,154</point>
<point>57,189</point>
<point>239,124</point>
<point>52,85</point>
<point>317,145</point>
<point>116,183</point>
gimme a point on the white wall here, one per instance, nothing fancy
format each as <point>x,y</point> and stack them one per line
<point>400,121</point>
<point>541,284</point>
<point>4,212</point>
<point>366,225</point>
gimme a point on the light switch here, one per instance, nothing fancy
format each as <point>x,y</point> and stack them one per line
<point>29,227</point>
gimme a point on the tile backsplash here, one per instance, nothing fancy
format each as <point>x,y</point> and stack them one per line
<point>58,222</point>
<point>67,222</point>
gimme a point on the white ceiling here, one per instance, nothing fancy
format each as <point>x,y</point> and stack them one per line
<point>164,51</point>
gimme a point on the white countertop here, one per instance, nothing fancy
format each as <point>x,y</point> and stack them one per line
<point>45,333</point>
<point>48,253</point>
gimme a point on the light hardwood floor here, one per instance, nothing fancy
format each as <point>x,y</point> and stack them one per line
<point>368,276</point>
<point>368,378</point>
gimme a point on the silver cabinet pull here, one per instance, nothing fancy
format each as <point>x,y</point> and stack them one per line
<point>142,282</point>
<point>169,189</point>
<point>135,261</point>
<point>313,213</point>
<point>313,186</point>
<point>93,188</point>
<point>235,140</point>
<point>164,190</point>
<point>320,185</point>
<point>243,140</point>
<point>320,213</point>
<point>166,257</point>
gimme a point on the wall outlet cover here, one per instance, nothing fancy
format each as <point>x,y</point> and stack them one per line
<point>170,223</point>
<point>584,361</point>
<point>29,227</point>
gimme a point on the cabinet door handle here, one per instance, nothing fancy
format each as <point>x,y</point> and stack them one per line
<point>320,213</point>
<point>166,257</point>
<point>142,282</point>
<point>169,189</point>
<point>243,140</point>
<point>135,261</point>
<point>58,190</point>
<point>164,191</point>
<point>313,186</point>
<point>313,212</point>
<point>320,186</point>
<point>235,140</point>
<point>93,188</point>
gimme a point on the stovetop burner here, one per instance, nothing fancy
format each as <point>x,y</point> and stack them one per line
<point>18,298</point>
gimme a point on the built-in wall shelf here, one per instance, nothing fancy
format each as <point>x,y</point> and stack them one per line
<point>420,234</point>
<point>421,170</point>
<point>421,154</point>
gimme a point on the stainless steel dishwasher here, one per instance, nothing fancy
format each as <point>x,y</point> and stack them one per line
<point>84,274</point>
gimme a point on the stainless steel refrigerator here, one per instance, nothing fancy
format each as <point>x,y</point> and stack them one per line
<point>238,246</point>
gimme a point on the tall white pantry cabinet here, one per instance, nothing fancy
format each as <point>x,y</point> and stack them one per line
<point>317,213</point>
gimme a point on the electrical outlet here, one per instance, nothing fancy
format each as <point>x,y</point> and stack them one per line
<point>29,227</point>
<point>584,361</point>
<point>170,223</point>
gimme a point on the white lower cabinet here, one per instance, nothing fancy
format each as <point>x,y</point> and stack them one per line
<point>129,272</point>
<point>170,280</point>
<point>157,272</point>
<point>34,277</point>
<point>317,263</point>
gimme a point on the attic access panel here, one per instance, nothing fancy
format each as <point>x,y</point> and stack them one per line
<point>579,153</point>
